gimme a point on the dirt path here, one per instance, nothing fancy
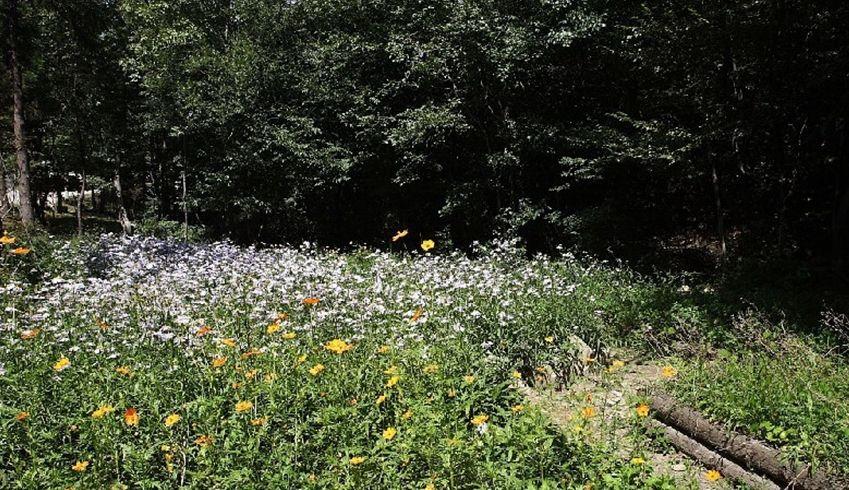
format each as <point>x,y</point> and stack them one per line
<point>613,395</point>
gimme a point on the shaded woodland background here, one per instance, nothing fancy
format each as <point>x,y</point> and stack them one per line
<point>662,131</point>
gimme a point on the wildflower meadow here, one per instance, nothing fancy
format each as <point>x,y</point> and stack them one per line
<point>155,364</point>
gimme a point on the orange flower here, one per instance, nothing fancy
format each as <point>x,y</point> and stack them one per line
<point>251,353</point>
<point>219,361</point>
<point>229,342</point>
<point>259,421</point>
<point>80,466</point>
<point>244,406</point>
<point>20,251</point>
<point>310,301</point>
<point>131,417</point>
<point>203,331</point>
<point>21,416</point>
<point>400,235</point>
<point>124,370</point>
<point>204,440</point>
<point>30,334</point>
<point>416,315</point>
<point>588,412</point>
<point>642,410</point>
<point>7,240</point>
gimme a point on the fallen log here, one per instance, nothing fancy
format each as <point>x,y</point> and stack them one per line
<point>739,448</point>
<point>710,459</point>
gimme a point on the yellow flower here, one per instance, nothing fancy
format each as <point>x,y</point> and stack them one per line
<point>317,369</point>
<point>407,415</point>
<point>251,374</point>
<point>20,251</point>
<point>301,359</point>
<point>357,460</point>
<point>615,365</point>
<point>102,411</point>
<point>588,412</point>
<point>244,406</point>
<point>430,486</point>
<point>131,417</point>
<point>712,475</point>
<point>389,433</point>
<point>21,416</point>
<point>338,346</point>
<point>204,441</point>
<point>289,335</point>
<point>479,420</point>
<point>668,372</point>
<point>427,245</point>
<point>259,421</point>
<point>62,364</point>
<point>80,466</point>
<point>124,370</point>
<point>431,368</point>
<point>172,419</point>
<point>391,370</point>
<point>393,381</point>
<point>469,379</point>
<point>204,330</point>
<point>382,398</point>
<point>549,339</point>
<point>638,461</point>
<point>383,349</point>
<point>516,375</point>
<point>7,240</point>
<point>400,235</point>
<point>30,334</point>
<point>219,361</point>
<point>272,328</point>
<point>229,342</point>
<point>517,408</point>
<point>642,410</point>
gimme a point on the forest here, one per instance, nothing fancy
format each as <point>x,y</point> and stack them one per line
<point>639,128</point>
<point>405,244</point>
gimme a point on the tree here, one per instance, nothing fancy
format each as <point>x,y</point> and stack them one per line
<point>21,156</point>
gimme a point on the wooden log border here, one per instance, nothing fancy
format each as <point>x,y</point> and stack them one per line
<point>740,449</point>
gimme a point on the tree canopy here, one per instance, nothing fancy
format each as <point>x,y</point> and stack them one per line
<point>608,124</point>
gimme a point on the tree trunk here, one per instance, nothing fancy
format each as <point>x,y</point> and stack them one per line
<point>126,224</point>
<point>25,194</point>
<point>4,203</point>
<point>720,218</point>
<point>80,200</point>
<point>185,209</point>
